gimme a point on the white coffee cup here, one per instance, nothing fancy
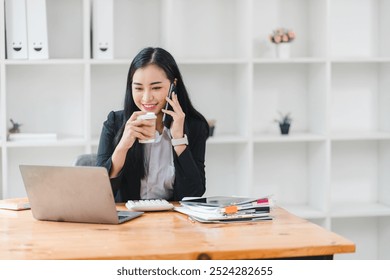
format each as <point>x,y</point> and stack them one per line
<point>148,116</point>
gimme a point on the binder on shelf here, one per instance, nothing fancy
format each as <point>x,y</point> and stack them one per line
<point>37,37</point>
<point>103,29</point>
<point>16,29</point>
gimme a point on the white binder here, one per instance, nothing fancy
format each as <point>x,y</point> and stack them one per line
<point>37,29</point>
<point>16,29</point>
<point>103,29</point>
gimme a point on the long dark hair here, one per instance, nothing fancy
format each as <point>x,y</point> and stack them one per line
<point>166,62</point>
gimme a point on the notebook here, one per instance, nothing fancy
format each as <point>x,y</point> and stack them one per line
<point>17,203</point>
<point>72,194</point>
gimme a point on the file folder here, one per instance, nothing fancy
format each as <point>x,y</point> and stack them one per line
<point>37,29</point>
<point>16,29</point>
<point>103,29</point>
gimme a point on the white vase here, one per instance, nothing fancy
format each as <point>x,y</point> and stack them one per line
<point>282,50</point>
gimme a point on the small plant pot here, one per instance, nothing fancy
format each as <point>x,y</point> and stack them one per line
<point>211,130</point>
<point>284,128</point>
<point>283,50</point>
<point>211,127</point>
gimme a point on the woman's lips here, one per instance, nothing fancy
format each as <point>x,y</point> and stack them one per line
<point>149,107</point>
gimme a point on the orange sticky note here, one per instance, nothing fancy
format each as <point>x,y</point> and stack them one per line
<point>231,209</point>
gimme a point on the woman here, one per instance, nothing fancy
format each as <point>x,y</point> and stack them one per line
<point>173,166</point>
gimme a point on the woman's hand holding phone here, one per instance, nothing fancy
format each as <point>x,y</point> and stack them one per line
<point>167,119</point>
<point>178,116</point>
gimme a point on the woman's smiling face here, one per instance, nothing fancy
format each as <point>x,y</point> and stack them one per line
<point>150,87</point>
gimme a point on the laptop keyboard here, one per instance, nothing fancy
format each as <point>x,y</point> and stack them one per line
<point>124,216</point>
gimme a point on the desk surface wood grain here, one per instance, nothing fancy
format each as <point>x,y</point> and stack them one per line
<point>166,235</point>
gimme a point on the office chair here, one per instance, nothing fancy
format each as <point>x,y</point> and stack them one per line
<point>86,160</point>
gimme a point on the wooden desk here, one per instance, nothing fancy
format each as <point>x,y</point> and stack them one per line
<point>166,235</point>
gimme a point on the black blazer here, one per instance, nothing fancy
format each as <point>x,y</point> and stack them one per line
<point>190,179</point>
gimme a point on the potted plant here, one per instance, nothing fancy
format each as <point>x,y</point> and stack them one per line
<point>211,127</point>
<point>284,123</point>
<point>281,37</point>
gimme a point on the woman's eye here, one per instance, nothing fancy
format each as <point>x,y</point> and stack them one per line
<point>156,88</point>
<point>138,89</point>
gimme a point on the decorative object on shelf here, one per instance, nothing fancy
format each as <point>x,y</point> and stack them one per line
<point>14,134</point>
<point>211,127</point>
<point>284,123</point>
<point>283,50</point>
<point>281,37</point>
<point>15,127</point>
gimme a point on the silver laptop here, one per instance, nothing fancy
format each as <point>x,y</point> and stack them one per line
<point>72,194</point>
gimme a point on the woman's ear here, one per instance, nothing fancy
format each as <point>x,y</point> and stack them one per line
<point>175,82</point>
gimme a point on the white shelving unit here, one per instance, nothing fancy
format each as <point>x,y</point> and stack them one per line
<point>333,166</point>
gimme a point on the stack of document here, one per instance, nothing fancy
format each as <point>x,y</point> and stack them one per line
<point>226,209</point>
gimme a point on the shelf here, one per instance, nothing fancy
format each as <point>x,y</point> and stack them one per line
<point>213,140</point>
<point>294,60</point>
<point>343,210</point>
<point>53,62</point>
<point>305,211</point>
<point>308,60</point>
<point>360,136</point>
<point>356,60</point>
<point>211,61</point>
<point>124,62</point>
<point>226,139</point>
<point>291,137</point>
<point>181,61</point>
<point>61,142</point>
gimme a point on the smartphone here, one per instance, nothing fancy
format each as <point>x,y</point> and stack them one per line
<point>167,119</point>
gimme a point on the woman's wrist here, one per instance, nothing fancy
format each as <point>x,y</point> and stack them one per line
<point>125,144</point>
